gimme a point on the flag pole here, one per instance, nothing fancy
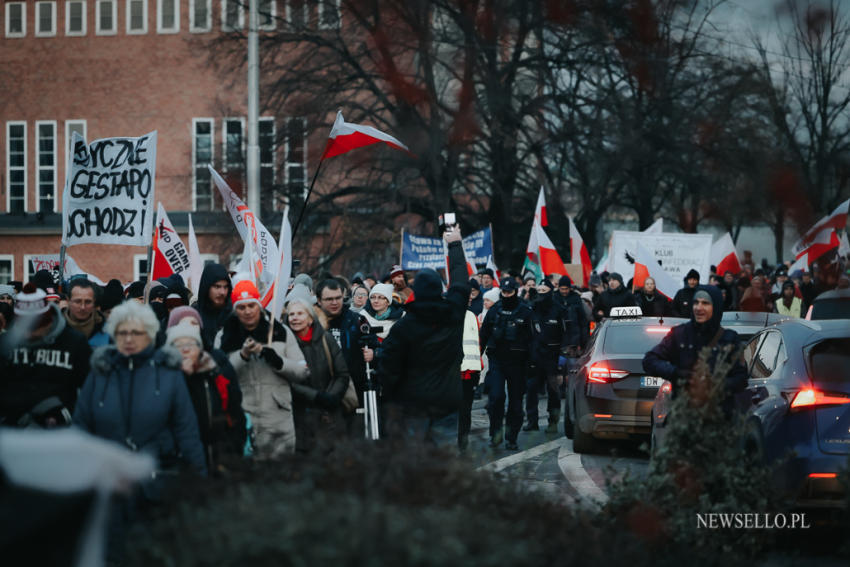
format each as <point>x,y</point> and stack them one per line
<point>401,247</point>
<point>306,199</point>
<point>61,267</point>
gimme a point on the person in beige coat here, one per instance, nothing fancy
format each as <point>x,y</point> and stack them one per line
<point>264,369</point>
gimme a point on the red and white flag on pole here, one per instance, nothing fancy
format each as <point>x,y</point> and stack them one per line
<point>837,219</point>
<point>491,264</point>
<point>264,253</point>
<point>801,264</point>
<point>646,266</point>
<point>540,208</point>
<point>196,265</point>
<point>579,254</point>
<point>542,252</point>
<point>824,241</point>
<point>169,254</point>
<point>284,271</point>
<point>724,255</point>
<point>346,136</point>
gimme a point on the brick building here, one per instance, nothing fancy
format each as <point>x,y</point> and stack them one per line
<point>110,68</point>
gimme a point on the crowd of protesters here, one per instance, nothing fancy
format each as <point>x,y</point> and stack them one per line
<point>204,382</point>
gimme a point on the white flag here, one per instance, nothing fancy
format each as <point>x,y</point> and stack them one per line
<point>285,264</point>
<point>196,266</point>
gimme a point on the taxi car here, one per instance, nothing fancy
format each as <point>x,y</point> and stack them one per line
<point>609,396</point>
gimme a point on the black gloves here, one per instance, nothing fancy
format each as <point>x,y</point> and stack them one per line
<point>271,358</point>
<point>327,401</point>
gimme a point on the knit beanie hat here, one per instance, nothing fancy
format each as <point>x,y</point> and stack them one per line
<point>492,294</point>
<point>6,289</point>
<point>616,276</point>
<point>473,283</point>
<point>31,301</point>
<point>565,281</point>
<point>183,330</point>
<point>383,289</point>
<point>245,292</point>
<point>305,280</point>
<point>396,270</point>
<point>184,312</point>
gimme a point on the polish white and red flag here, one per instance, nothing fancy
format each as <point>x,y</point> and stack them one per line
<point>837,220</point>
<point>542,251</point>
<point>169,254</point>
<point>346,136</point>
<point>724,255</point>
<point>824,241</point>
<point>540,208</point>
<point>646,266</point>
<point>579,254</point>
<point>491,264</point>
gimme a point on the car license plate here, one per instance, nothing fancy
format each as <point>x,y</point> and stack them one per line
<point>651,381</point>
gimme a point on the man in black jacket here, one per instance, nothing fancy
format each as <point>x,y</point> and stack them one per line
<point>344,327</point>
<point>213,301</point>
<point>41,357</point>
<point>683,301</point>
<point>615,296</point>
<point>419,368</point>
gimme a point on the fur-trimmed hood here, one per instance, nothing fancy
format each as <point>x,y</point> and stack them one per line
<point>107,357</point>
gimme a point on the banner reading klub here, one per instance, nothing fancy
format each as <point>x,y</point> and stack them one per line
<point>109,191</point>
<point>266,254</point>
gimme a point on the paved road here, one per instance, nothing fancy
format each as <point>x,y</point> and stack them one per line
<point>547,461</point>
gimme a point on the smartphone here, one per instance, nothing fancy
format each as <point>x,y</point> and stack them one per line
<point>446,220</point>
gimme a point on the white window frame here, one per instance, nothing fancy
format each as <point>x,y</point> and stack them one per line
<point>68,31</point>
<point>195,121</point>
<point>23,32</point>
<point>137,260</point>
<point>319,6</point>
<point>9,124</point>
<point>159,26</point>
<point>11,259</point>
<point>224,123</point>
<point>67,147</point>
<point>52,31</point>
<point>273,24</point>
<point>26,265</point>
<point>305,9</point>
<point>128,17</point>
<point>98,9</point>
<point>200,29</point>
<point>39,167</point>
<point>288,163</point>
<point>240,25</point>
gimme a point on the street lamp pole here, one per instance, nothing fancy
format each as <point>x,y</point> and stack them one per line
<point>253,157</point>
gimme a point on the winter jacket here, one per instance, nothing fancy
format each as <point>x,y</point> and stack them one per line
<point>141,402</point>
<point>393,313</point>
<point>675,356</point>
<point>655,305</point>
<point>793,310</point>
<point>95,336</point>
<point>217,400</point>
<point>266,393</point>
<point>345,328</point>
<point>213,318</point>
<point>420,366</point>
<point>32,371</point>
<point>555,334</point>
<point>578,316</point>
<point>518,346</point>
<point>620,297</point>
<point>317,402</point>
<point>477,305</point>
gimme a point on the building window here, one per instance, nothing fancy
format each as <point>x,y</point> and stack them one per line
<point>45,19</point>
<point>137,17</point>
<point>45,141</point>
<point>202,155</point>
<point>16,19</point>
<point>232,15</point>
<point>209,259</point>
<point>268,194</point>
<point>16,167</point>
<point>75,17</point>
<point>234,144</point>
<point>200,15</point>
<point>7,268</point>
<point>167,16</point>
<point>140,266</point>
<point>72,126</point>
<point>296,13</point>
<point>328,16</point>
<point>296,155</point>
<point>106,14</point>
<point>267,10</point>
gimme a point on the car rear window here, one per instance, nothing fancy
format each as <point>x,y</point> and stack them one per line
<point>633,339</point>
<point>835,308</point>
<point>830,364</point>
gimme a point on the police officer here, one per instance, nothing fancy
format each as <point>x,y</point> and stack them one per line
<point>557,335</point>
<point>508,334</point>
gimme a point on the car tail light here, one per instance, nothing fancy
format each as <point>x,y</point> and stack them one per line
<point>823,475</point>
<point>657,330</point>
<point>601,374</point>
<point>810,398</point>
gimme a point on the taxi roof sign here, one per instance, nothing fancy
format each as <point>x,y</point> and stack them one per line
<point>622,312</point>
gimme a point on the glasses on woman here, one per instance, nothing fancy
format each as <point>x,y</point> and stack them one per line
<point>134,334</point>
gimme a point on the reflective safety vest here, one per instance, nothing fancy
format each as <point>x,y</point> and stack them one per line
<point>471,348</point>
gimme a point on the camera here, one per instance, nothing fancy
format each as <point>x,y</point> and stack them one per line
<point>368,333</point>
<point>447,220</point>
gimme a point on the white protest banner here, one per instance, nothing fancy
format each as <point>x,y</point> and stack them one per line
<point>677,252</point>
<point>50,262</point>
<point>169,254</point>
<point>109,191</point>
<point>251,229</point>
